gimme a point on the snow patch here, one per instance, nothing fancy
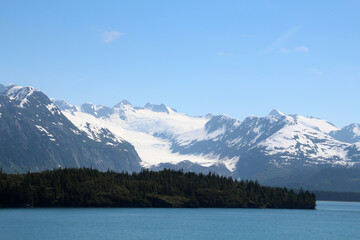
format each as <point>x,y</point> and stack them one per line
<point>276,113</point>
<point>356,130</point>
<point>41,129</point>
<point>75,131</point>
<point>53,109</point>
<point>315,123</point>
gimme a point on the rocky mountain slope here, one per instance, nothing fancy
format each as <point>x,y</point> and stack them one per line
<point>35,135</point>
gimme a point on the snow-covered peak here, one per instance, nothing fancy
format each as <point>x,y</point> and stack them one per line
<point>97,111</point>
<point>123,103</point>
<point>18,93</point>
<point>89,108</point>
<point>209,115</point>
<point>221,122</point>
<point>276,113</point>
<point>63,105</point>
<point>157,108</point>
<point>349,134</point>
<point>354,128</point>
<point>312,122</point>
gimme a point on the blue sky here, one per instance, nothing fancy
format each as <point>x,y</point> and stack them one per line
<point>235,57</point>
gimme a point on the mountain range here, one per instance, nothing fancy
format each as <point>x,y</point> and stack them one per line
<point>39,133</point>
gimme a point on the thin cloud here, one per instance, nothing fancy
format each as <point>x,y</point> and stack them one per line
<point>285,50</point>
<point>110,36</point>
<point>302,49</point>
<point>281,40</point>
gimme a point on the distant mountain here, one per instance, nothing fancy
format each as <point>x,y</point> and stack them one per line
<point>273,149</point>
<point>337,179</point>
<point>349,134</point>
<point>35,135</point>
<point>188,166</point>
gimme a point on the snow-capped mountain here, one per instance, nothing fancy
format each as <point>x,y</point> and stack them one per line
<point>164,137</point>
<point>38,133</point>
<point>35,135</point>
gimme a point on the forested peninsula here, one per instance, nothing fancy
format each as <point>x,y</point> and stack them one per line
<point>86,187</point>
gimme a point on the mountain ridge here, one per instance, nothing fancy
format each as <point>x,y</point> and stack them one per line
<point>265,148</point>
<point>220,136</point>
<point>35,135</point>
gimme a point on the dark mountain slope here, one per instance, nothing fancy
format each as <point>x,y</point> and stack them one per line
<point>35,135</point>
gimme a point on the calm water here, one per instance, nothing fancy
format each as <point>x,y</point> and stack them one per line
<point>331,220</point>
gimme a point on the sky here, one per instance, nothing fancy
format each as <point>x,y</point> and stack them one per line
<point>238,58</point>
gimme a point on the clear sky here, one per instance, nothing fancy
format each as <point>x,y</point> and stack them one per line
<point>235,57</point>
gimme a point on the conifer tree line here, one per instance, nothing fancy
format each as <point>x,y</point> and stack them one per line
<point>86,187</point>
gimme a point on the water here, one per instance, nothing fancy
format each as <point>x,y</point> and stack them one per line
<point>331,220</point>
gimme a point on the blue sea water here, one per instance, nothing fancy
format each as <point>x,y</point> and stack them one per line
<point>331,220</point>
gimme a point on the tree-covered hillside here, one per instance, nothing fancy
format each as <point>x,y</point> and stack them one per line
<point>92,188</point>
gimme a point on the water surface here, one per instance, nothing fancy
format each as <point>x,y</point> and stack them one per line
<point>331,220</point>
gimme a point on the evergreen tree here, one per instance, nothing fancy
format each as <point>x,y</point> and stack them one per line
<point>92,188</point>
